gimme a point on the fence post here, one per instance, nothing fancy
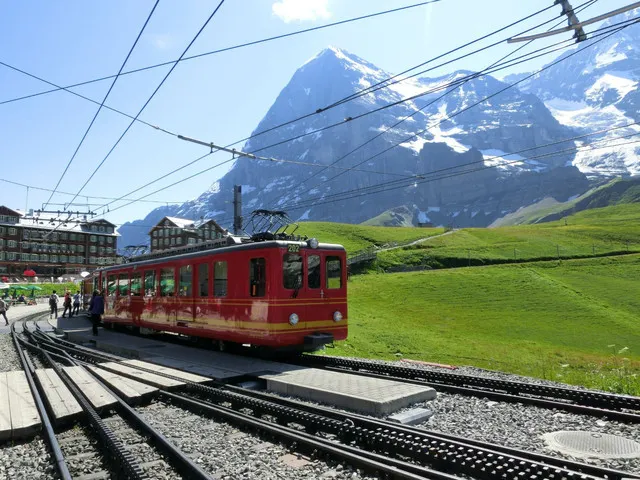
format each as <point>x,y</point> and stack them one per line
<point>593,250</point>
<point>558,250</point>
<point>469,256</point>
<point>515,256</point>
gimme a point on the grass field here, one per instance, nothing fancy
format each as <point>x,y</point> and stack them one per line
<point>358,237</point>
<point>588,233</point>
<point>573,321</point>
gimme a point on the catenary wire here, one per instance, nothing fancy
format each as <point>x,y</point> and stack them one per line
<point>102,103</point>
<point>212,167</point>
<point>226,49</point>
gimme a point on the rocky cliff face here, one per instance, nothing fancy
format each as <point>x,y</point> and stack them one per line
<point>463,173</point>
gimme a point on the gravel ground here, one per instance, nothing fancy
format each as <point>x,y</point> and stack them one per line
<point>228,453</point>
<point>27,460</point>
<point>81,452</point>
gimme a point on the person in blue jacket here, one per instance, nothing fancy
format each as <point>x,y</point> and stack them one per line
<point>96,309</point>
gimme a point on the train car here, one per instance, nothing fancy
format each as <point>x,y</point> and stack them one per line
<point>273,294</point>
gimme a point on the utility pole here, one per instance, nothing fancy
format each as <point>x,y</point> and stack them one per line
<point>237,209</point>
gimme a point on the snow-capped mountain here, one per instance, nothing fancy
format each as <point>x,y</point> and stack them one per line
<point>454,136</point>
<point>598,89</point>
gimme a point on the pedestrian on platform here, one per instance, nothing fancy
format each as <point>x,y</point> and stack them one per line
<point>67,304</point>
<point>53,305</point>
<point>3,311</point>
<point>76,304</point>
<point>96,308</point>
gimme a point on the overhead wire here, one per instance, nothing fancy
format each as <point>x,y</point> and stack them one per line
<point>225,49</point>
<point>102,103</point>
<point>315,131</point>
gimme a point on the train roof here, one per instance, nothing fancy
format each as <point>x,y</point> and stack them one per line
<point>150,259</point>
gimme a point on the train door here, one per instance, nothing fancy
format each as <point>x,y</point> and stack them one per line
<point>110,292</point>
<point>151,303</point>
<point>167,300</point>
<point>293,282</point>
<point>186,304</point>
<point>202,292</point>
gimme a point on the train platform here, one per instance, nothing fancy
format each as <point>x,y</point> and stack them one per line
<point>349,391</point>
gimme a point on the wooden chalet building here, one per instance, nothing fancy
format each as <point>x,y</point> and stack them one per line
<point>172,232</point>
<point>53,247</point>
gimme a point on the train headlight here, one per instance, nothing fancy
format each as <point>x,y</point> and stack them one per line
<point>313,242</point>
<point>337,316</point>
<point>293,319</point>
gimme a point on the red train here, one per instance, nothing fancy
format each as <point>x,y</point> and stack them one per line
<point>274,293</point>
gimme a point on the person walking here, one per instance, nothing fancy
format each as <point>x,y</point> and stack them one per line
<point>96,308</point>
<point>76,304</point>
<point>67,304</point>
<point>53,304</point>
<point>3,311</point>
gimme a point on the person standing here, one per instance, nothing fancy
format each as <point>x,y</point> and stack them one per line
<point>67,304</point>
<point>3,311</point>
<point>96,308</point>
<point>76,304</point>
<point>53,304</point>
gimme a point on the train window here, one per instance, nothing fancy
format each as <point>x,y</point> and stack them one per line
<point>292,271</point>
<point>220,279</point>
<point>111,285</point>
<point>333,272</point>
<point>313,271</point>
<point>135,284</point>
<point>203,279</point>
<point>257,277</point>
<point>186,281</point>
<point>104,284</point>
<point>123,284</point>
<point>167,283</point>
<point>150,283</point>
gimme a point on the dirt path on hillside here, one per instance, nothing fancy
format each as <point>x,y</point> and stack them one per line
<point>415,242</point>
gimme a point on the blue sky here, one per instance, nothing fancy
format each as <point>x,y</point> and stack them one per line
<point>219,98</point>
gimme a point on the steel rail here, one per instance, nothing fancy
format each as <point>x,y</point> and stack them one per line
<point>278,407</point>
<point>52,441</point>
<point>515,388</point>
<point>180,461</point>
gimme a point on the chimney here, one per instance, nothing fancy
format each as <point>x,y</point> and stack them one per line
<point>237,209</point>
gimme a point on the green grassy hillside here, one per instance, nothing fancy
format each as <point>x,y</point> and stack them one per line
<point>589,233</point>
<point>615,192</point>
<point>573,321</point>
<point>358,237</point>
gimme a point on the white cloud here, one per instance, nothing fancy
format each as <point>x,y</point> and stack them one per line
<point>300,10</point>
<point>161,41</point>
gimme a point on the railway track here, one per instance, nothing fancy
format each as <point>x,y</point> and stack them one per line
<point>390,449</point>
<point>621,408</point>
<point>115,444</point>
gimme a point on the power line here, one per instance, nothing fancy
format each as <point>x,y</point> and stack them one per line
<point>231,159</point>
<point>102,103</point>
<point>226,49</point>
<point>150,98</point>
<point>32,187</point>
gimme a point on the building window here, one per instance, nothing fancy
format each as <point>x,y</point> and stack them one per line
<point>101,240</point>
<point>154,243</point>
<point>179,240</point>
<point>94,229</point>
<point>80,248</point>
<point>93,249</point>
<point>25,245</point>
<point>1,242</point>
<point>54,258</point>
<point>63,236</point>
<point>92,260</point>
<point>44,258</point>
<point>12,255</point>
<point>63,258</point>
<point>25,257</point>
<point>191,241</point>
<point>2,230</point>
<point>72,237</point>
<point>257,277</point>
<point>92,238</point>
<point>155,233</point>
<point>220,279</point>
<point>34,257</point>
<point>110,240</point>
<point>80,259</point>
<point>173,241</point>
<point>101,250</point>
<point>109,250</point>
<point>101,228</point>
<point>13,231</point>
<point>72,248</point>
<point>12,243</point>
<point>72,259</point>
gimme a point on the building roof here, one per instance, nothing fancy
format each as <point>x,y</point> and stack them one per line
<point>179,222</point>
<point>51,221</point>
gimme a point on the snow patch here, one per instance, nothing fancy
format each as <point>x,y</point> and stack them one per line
<point>307,91</point>
<point>423,218</point>
<point>305,215</point>
<point>609,57</point>
<point>610,82</point>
